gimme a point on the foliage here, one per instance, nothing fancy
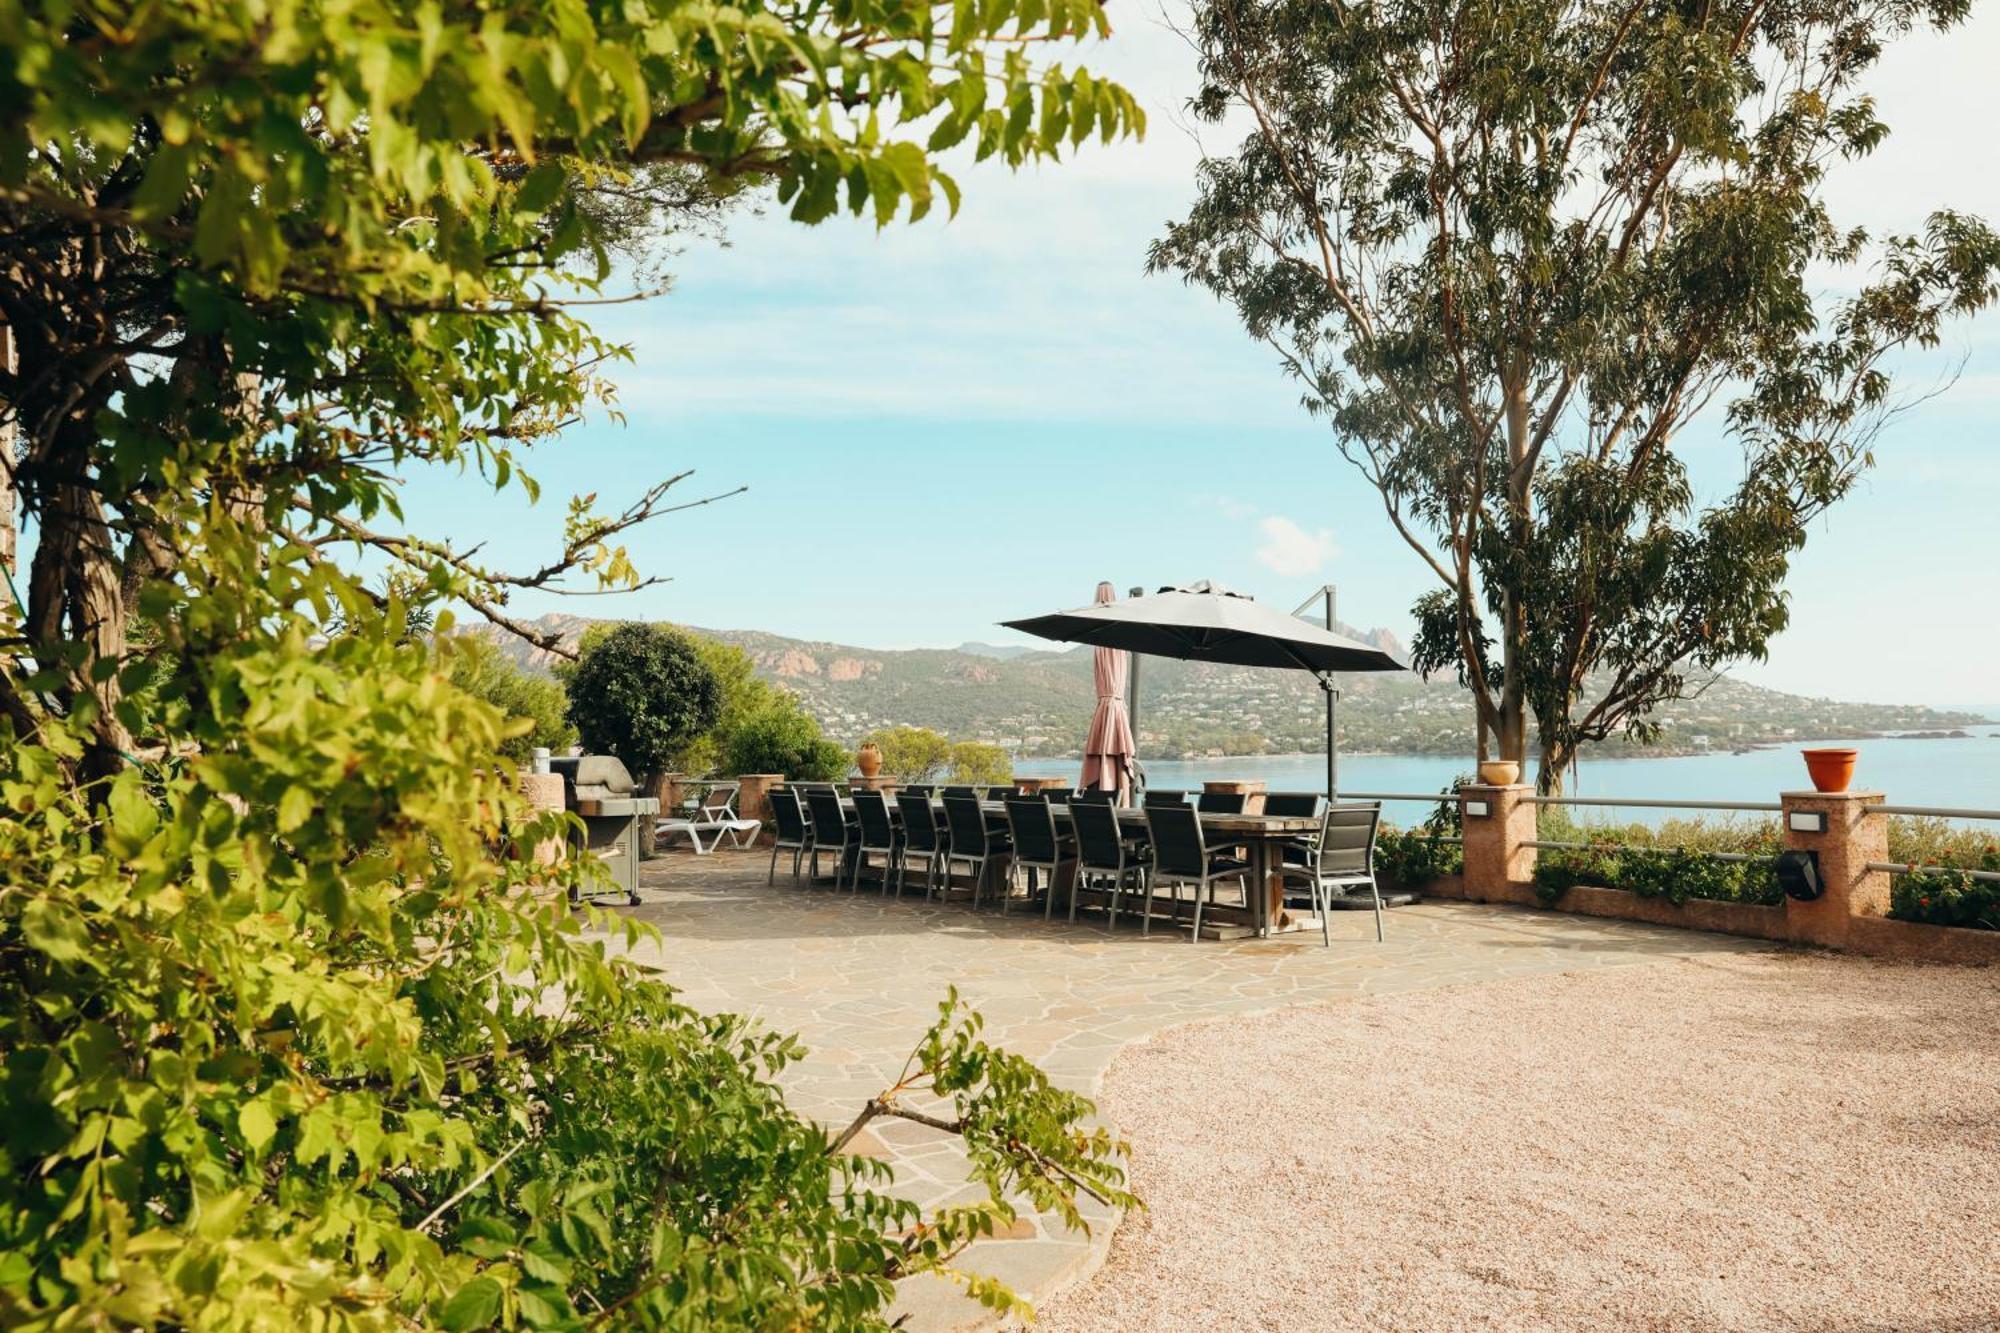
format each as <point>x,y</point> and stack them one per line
<point>1414,857</point>
<point>911,754</point>
<point>265,256</point>
<point>642,692</point>
<point>1515,251</point>
<point>786,739</point>
<point>1939,892</point>
<point>482,671</point>
<point>1672,861</point>
<point>980,764</point>
<point>741,695</point>
<point>226,1114</point>
<point>290,1038</point>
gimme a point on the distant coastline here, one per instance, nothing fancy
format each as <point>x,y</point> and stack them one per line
<point>1605,753</point>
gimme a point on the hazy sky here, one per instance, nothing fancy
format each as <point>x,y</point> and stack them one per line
<point>947,425</point>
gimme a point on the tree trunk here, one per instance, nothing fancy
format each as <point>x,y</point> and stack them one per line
<point>1513,728</point>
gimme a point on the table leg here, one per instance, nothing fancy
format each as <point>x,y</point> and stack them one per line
<point>1260,880</point>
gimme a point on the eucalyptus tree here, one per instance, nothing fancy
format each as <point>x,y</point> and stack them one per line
<point>296,1030</point>
<point>1519,254</point>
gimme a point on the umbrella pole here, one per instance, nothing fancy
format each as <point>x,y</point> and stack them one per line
<point>1332,702</point>
<point>1332,740</point>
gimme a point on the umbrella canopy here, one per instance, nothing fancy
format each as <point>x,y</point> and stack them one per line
<point>1109,748</point>
<point>1207,623</point>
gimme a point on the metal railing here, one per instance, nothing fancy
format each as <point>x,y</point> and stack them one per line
<point>1646,803</point>
<point>1427,798</point>
<point>1930,811</point>
<point>1905,868</point>
<point>1765,857</point>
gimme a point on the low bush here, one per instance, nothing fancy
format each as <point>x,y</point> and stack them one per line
<point>1940,893</point>
<point>1414,857</point>
<point>1674,861</point>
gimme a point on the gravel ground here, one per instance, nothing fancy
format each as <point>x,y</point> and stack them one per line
<point>1751,1141</point>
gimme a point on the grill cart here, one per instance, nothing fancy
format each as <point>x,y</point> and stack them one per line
<point>598,790</point>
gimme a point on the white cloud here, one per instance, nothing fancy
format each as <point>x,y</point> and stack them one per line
<point>1290,550</point>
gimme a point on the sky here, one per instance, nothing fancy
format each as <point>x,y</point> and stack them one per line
<point>946,425</point>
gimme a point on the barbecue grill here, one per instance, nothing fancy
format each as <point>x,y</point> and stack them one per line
<point>599,791</point>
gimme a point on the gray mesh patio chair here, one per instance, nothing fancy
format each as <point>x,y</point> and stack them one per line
<point>1102,859</point>
<point>1164,796</point>
<point>972,843</point>
<point>1037,847</point>
<point>832,831</point>
<point>1001,793</point>
<point>788,818</point>
<point>1097,794</point>
<point>1342,859</point>
<point>879,835</point>
<point>1181,856</point>
<point>1294,805</point>
<point>922,836</point>
<point>1221,802</point>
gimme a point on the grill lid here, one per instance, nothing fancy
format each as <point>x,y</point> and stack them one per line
<point>593,777</point>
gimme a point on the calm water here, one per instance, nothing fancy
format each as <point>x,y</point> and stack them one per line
<point>1964,773</point>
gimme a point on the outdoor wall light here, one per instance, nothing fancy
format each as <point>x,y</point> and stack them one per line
<point>1798,875</point>
<point>1478,809</point>
<point>1806,821</point>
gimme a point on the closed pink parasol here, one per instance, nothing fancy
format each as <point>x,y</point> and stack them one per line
<point>1109,749</point>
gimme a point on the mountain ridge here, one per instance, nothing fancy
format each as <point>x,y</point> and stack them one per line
<point>1037,701</point>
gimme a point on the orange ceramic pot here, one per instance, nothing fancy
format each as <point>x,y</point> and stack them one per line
<point>869,760</point>
<point>1831,768</point>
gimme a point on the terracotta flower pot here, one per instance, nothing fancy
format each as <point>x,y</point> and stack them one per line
<point>868,759</point>
<point>1499,772</point>
<point>1830,768</point>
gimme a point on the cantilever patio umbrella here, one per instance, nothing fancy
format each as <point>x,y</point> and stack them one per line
<point>1207,623</point>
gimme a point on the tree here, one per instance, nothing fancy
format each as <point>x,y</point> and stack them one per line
<point>291,1040</point>
<point>741,693</point>
<point>911,754</point>
<point>980,764</point>
<point>534,705</point>
<point>643,693</point>
<point>1513,252</point>
<point>786,739</point>
<point>258,259</point>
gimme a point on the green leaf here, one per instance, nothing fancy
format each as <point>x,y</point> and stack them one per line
<point>474,1305</point>
<point>257,1125</point>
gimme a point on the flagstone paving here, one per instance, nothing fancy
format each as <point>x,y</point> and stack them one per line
<point>859,978</point>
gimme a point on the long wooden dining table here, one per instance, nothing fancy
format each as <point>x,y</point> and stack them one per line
<point>1261,836</point>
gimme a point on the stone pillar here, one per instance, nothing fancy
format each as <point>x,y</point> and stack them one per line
<point>543,791</point>
<point>1252,793</point>
<point>1852,839</point>
<point>753,801</point>
<point>1499,864</point>
<point>670,789</point>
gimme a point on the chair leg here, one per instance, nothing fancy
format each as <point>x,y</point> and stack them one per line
<point>1378,908</point>
<point>1194,937</point>
<point>1145,903</point>
<point>772,878</point>
<point>1049,899</point>
<point>1323,901</point>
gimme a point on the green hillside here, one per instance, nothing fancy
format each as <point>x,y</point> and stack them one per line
<point>1037,703</point>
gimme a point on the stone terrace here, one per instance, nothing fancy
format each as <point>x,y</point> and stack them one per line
<point>859,978</point>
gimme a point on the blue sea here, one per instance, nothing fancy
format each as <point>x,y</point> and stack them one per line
<point>1962,773</point>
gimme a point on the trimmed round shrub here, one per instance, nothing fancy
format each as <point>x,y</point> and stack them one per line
<point>785,739</point>
<point>642,693</point>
